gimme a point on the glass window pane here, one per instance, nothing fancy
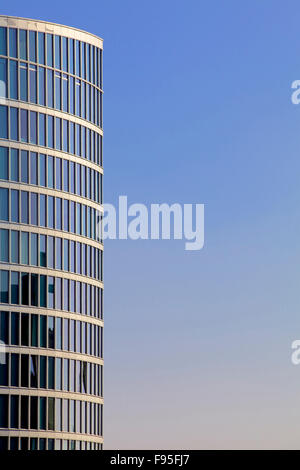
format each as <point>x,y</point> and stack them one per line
<point>34,209</point>
<point>33,168</point>
<point>34,289</point>
<point>14,124</point>
<point>43,257</point>
<point>43,210</point>
<point>42,170</point>
<point>4,123</point>
<point>25,289</point>
<point>15,328</point>
<point>23,81</point>
<point>24,126</point>
<point>3,78</point>
<point>50,126</point>
<point>32,46</point>
<point>24,248</point>
<point>34,330</point>
<point>24,207</point>
<point>4,163</point>
<point>23,44</point>
<point>4,204</point>
<point>43,292</point>
<point>3,41</point>
<point>4,246</point>
<point>34,249</point>
<point>50,294</point>
<point>41,46</point>
<point>42,130</point>
<point>14,165</point>
<point>24,166</point>
<point>43,334</point>
<point>14,240</point>
<point>14,204</point>
<point>50,172</point>
<point>13,42</point>
<point>33,127</point>
<point>50,211</point>
<point>42,86</point>
<point>50,50</point>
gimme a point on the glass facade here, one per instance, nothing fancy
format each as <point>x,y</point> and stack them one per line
<point>51,253</point>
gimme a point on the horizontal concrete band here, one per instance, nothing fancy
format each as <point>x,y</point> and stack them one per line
<point>52,313</point>
<point>51,152</point>
<point>54,353</point>
<point>52,435</point>
<point>53,28</point>
<point>51,112</point>
<point>51,232</point>
<point>31,392</point>
<point>52,272</point>
<point>51,192</point>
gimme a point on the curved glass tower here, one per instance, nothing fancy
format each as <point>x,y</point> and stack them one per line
<point>51,315</point>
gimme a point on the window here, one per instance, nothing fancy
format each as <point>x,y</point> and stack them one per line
<point>58,336</point>
<point>4,123</point>
<point>4,287</point>
<point>50,121</point>
<point>43,292</point>
<point>3,163</point>
<point>24,207</point>
<point>42,75</point>
<point>15,328</point>
<point>42,130</point>
<point>50,211</point>
<point>24,288</point>
<point>14,289</point>
<point>14,204</point>
<point>24,329</point>
<point>33,127</point>
<point>58,253</point>
<point>3,408</point>
<point>34,290</point>
<point>13,78</point>
<point>32,46</point>
<point>34,249</point>
<point>4,327</point>
<point>43,256</point>
<point>34,209</point>
<point>51,373</point>
<point>51,297</point>
<point>66,255</point>
<point>24,248</point>
<point>66,214</point>
<point>43,336</point>
<point>50,50</point>
<point>24,126</point>
<point>58,293</point>
<point>4,246</point>
<point>23,44</point>
<point>24,166</point>
<point>3,41</point>
<point>41,47</point>
<point>33,168</point>
<point>58,213</point>
<point>50,88</point>
<point>33,83</point>
<point>43,210</point>
<point>14,412</point>
<point>58,373</point>
<point>34,330</point>
<point>14,164</point>
<point>66,175</point>
<point>58,174</point>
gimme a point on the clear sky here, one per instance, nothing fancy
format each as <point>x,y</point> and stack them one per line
<point>197,109</point>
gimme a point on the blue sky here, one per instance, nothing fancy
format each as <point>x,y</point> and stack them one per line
<point>197,109</point>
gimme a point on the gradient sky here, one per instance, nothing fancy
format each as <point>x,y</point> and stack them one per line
<point>197,109</point>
